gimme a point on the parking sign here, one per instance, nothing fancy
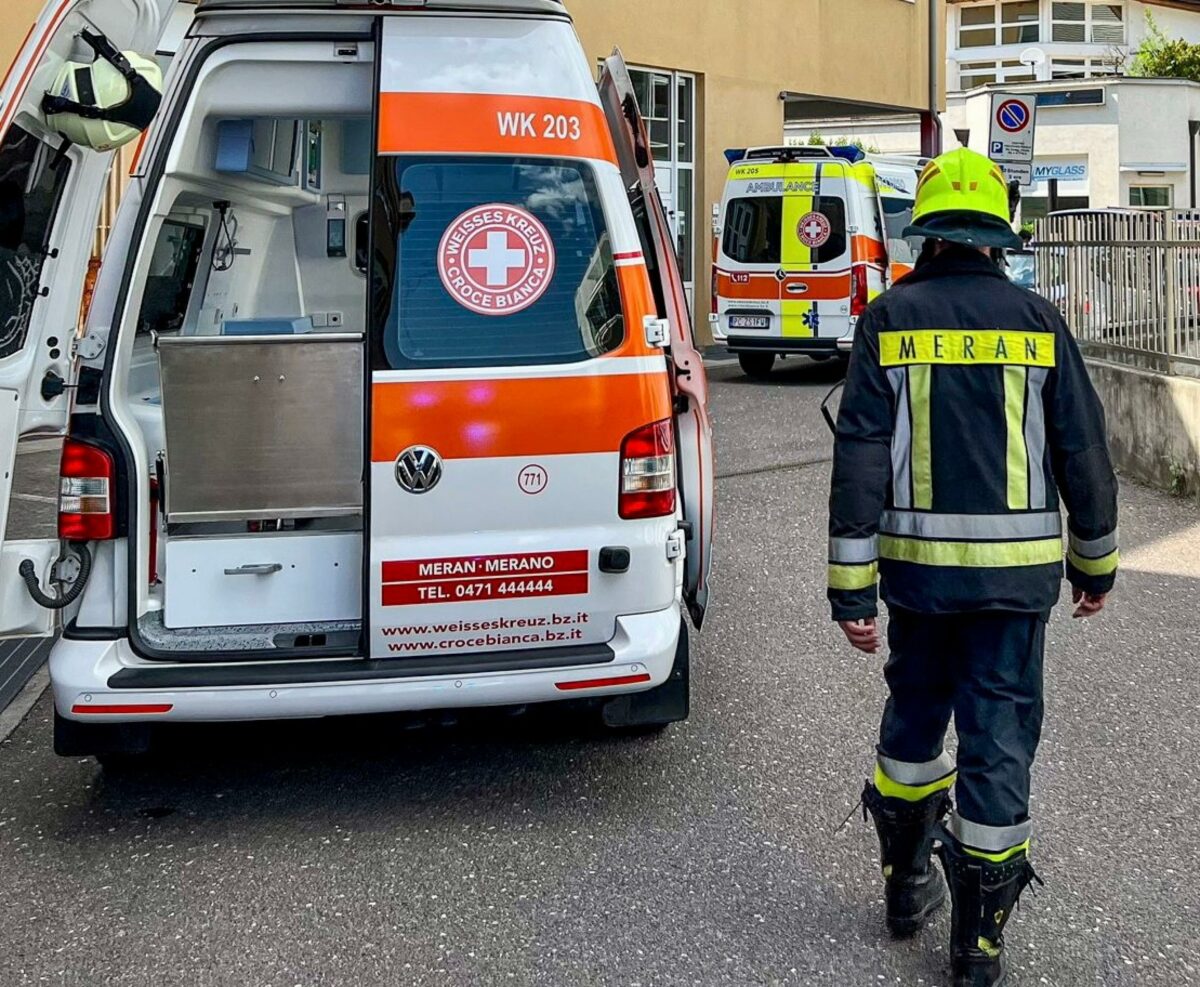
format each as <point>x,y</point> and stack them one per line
<point>1014,119</point>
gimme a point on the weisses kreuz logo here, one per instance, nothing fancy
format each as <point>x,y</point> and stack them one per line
<point>814,229</point>
<point>496,259</point>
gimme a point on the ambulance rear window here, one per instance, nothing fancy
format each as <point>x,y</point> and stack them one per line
<point>753,228</point>
<point>490,262</point>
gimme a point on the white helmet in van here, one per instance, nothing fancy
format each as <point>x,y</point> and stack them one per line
<point>107,102</point>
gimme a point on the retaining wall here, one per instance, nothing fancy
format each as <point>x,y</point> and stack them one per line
<point>1153,425</point>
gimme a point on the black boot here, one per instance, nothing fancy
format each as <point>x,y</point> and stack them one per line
<point>914,889</point>
<point>983,896</point>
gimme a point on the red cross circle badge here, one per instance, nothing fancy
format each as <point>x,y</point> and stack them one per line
<point>814,229</point>
<point>496,259</point>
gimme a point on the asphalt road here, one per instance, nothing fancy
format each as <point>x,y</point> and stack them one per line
<point>533,852</point>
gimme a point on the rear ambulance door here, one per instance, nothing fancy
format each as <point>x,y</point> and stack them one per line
<point>815,271</point>
<point>897,186</point>
<point>693,426</point>
<point>514,392</point>
<point>49,202</point>
<point>746,256</point>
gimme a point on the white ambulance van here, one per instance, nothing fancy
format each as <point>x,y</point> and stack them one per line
<point>387,398</point>
<point>805,239</point>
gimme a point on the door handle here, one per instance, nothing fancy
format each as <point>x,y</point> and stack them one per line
<point>263,569</point>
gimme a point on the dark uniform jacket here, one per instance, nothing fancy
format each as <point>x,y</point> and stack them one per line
<point>967,414</point>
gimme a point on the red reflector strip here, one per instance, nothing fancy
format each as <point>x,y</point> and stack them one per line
<point>602,683</point>
<point>88,708</point>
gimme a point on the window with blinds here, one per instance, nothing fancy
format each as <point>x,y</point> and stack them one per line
<point>1081,22</point>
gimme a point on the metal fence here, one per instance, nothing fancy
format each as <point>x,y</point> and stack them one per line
<point>1128,284</point>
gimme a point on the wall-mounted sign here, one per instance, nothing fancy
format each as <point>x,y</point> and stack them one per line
<point>1060,172</point>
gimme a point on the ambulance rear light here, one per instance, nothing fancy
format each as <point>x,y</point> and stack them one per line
<point>87,478</point>
<point>858,290</point>
<point>648,472</point>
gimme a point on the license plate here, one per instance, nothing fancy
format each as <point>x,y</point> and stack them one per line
<point>749,322</point>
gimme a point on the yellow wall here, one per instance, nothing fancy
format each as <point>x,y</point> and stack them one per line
<point>745,52</point>
<point>15,20</point>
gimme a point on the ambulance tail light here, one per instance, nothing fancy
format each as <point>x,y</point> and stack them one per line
<point>858,290</point>
<point>87,480</point>
<point>648,472</point>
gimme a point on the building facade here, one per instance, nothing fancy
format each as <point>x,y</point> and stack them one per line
<point>1103,139</point>
<point>1013,41</point>
<point>712,75</point>
<point>1102,142</point>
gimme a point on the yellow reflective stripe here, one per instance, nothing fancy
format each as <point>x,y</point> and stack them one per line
<point>792,318</point>
<point>966,347</point>
<point>1104,566</point>
<point>1002,856</point>
<point>852,577</point>
<point>910,793</point>
<point>1015,379</point>
<point>971,554</point>
<point>919,379</point>
<point>794,253</point>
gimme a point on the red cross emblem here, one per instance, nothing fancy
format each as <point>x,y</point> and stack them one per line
<point>496,259</point>
<point>814,229</point>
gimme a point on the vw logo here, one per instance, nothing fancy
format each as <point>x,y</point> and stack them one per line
<point>418,469</point>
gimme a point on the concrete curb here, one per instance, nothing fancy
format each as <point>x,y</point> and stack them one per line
<point>26,699</point>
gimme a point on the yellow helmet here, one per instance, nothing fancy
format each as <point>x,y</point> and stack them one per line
<point>104,102</point>
<point>963,197</point>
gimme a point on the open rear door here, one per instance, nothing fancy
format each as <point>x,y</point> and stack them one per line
<point>50,195</point>
<point>689,380</point>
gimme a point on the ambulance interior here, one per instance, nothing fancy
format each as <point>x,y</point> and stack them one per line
<point>242,355</point>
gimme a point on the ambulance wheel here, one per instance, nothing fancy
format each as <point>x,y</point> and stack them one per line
<point>652,711</point>
<point>757,365</point>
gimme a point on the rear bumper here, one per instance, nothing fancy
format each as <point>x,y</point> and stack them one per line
<point>97,674</point>
<point>804,346</point>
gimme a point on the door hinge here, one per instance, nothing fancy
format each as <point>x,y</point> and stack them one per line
<point>657,331</point>
<point>89,347</point>
<point>675,546</point>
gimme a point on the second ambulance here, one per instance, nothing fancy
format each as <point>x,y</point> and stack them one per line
<point>805,239</point>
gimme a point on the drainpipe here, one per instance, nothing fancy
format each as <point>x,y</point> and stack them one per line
<point>1193,131</point>
<point>931,127</point>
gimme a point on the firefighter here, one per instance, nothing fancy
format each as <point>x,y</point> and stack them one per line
<point>967,415</point>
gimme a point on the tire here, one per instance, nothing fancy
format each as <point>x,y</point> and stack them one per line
<point>757,365</point>
<point>653,711</point>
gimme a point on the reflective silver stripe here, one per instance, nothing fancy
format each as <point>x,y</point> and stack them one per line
<point>1035,436</point>
<point>853,551</point>
<point>906,773</point>
<point>971,527</point>
<point>901,440</point>
<point>989,839</point>
<point>1097,548</point>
